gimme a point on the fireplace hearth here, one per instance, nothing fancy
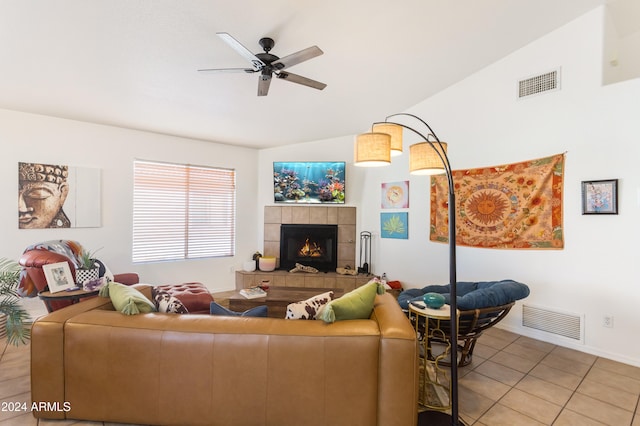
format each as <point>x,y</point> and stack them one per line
<point>309,245</point>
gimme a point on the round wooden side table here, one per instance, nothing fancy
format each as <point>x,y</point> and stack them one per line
<point>73,295</point>
<point>435,381</point>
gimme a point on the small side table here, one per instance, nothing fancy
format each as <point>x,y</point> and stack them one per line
<point>435,382</point>
<point>73,295</point>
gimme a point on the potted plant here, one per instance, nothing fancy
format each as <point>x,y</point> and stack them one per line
<point>15,320</point>
<point>88,270</point>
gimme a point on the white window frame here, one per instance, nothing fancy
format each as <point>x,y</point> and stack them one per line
<point>182,211</point>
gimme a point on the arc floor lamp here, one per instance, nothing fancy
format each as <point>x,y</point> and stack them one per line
<point>426,158</point>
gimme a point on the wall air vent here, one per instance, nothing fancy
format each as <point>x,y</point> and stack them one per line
<point>542,83</point>
<point>563,324</point>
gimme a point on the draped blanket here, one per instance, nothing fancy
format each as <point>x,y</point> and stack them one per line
<point>69,248</point>
<point>513,206</point>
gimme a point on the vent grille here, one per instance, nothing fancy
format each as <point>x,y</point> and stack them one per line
<point>539,84</point>
<point>560,323</point>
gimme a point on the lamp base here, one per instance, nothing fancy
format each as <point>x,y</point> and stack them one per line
<point>436,418</point>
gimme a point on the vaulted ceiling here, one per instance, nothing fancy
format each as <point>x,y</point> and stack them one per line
<point>133,63</point>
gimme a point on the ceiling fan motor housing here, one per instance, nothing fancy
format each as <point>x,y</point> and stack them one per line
<point>267,43</point>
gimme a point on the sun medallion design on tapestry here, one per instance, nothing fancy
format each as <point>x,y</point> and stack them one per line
<point>513,206</point>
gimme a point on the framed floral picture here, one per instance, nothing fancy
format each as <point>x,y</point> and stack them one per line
<point>58,276</point>
<point>600,196</point>
<point>395,195</point>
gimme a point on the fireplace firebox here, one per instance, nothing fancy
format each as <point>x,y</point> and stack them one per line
<point>310,245</point>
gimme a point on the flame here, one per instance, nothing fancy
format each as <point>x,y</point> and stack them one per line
<point>310,249</point>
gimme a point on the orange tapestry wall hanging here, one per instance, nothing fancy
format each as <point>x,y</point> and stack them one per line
<point>513,206</point>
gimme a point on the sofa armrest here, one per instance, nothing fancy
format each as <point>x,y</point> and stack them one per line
<point>47,352</point>
<point>398,379</point>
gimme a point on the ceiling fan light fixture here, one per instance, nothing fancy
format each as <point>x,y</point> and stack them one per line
<point>372,150</point>
<point>393,130</point>
<point>424,160</point>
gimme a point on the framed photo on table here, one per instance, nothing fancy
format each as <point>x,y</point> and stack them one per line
<point>600,196</point>
<point>58,276</point>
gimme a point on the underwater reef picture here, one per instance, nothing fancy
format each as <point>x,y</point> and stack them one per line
<point>308,182</point>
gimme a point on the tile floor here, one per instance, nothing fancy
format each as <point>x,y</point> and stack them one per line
<point>512,381</point>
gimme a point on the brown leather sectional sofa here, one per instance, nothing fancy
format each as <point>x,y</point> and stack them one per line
<point>90,362</point>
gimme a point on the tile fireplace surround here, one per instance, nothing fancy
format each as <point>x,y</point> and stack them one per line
<point>344,217</point>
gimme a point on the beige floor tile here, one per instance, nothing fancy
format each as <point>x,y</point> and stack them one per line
<point>484,385</point>
<point>14,368</point>
<point>472,404</point>
<point>618,368</point>
<point>538,345</point>
<point>571,418</point>
<point>614,380</point>
<point>25,419</point>
<point>499,415</point>
<point>545,390</point>
<point>483,351</point>
<point>531,406</point>
<point>513,361</point>
<point>574,355</point>
<point>636,420</point>
<point>565,364</point>
<point>11,387</point>
<point>619,398</point>
<point>501,334</point>
<point>598,410</point>
<point>555,376</point>
<point>494,342</point>
<point>499,372</point>
<point>22,405</point>
<point>525,352</point>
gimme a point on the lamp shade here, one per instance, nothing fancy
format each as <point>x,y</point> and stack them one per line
<point>395,132</point>
<point>424,160</point>
<point>372,150</point>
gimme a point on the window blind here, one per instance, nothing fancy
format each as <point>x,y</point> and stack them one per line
<point>182,212</point>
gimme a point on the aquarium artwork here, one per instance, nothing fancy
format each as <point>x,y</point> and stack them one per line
<point>308,182</point>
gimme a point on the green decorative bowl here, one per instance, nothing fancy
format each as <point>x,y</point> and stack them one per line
<point>433,300</point>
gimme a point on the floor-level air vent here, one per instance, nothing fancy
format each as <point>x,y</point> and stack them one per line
<point>560,323</point>
<point>539,84</point>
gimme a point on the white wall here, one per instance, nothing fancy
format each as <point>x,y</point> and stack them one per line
<point>484,123</point>
<point>34,138</point>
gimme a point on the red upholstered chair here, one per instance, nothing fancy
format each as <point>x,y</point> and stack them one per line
<point>33,280</point>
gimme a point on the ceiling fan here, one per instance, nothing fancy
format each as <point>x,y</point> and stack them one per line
<point>268,64</point>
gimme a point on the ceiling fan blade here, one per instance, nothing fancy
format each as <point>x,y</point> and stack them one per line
<point>294,78</point>
<point>263,84</point>
<point>216,70</point>
<point>296,58</point>
<point>243,51</point>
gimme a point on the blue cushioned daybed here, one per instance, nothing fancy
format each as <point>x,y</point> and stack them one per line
<point>481,305</point>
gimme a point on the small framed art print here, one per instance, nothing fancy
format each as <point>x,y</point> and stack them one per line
<point>58,276</point>
<point>600,196</point>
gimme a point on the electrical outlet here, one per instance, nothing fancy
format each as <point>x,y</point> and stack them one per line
<point>607,321</point>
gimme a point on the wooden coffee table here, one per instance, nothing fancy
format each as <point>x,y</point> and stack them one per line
<point>278,298</point>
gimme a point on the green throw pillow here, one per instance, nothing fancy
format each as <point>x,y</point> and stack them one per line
<point>127,299</point>
<point>357,304</point>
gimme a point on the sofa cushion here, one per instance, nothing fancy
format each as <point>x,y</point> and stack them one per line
<point>165,302</point>
<point>127,299</point>
<point>258,311</point>
<point>357,304</point>
<point>310,308</point>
